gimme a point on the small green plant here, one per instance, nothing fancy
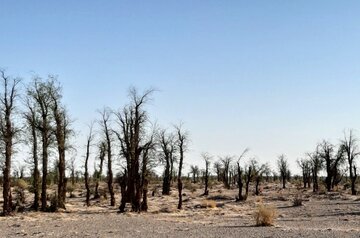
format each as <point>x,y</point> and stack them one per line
<point>265,215</point>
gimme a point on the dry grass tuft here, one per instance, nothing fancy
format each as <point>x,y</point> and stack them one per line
<point>265,215</point>
<point>208,204</point>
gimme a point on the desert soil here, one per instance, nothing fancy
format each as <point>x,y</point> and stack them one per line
<point>335,214</point>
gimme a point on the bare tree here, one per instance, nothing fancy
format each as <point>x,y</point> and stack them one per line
<point>147,157</point>
<point>8,132</point>
<point>182,139</point>
<point>258,172</point>
<point>207,159</point>
<point>249,174</point>
<point>62,132</point>
<point>226,161</point>
<point>194,170</point>
<point>350,145</point>
<point>332,161</point>
<point>104,122</point>
<point>240,175</point>
<point>167,146</point>
<point>132,121</point>
<point>305,166</point>
<point>86,175</point>
<point>316,164</point>
<point>218,170</point>
<point>38,91</point>
<point>283,167</point>
<point>98,174</point>
<point>31,121</point>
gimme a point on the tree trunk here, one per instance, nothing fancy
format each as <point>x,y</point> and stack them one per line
<point>180,185</point>
<point>283,177</point>
<point>7,205</point>
<point>98,175</point>
<point>257,183</point>
<point>353,176</point>
<point>62,179</point>
<point>86,170</point>
<point>36,173</point>
<point>166,180</point>
<point>240,184</point>
<point>44,166</point>
<point>206,192</point>
<point>110,173</point>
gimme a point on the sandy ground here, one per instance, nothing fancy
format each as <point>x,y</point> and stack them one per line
<point>335,214</point>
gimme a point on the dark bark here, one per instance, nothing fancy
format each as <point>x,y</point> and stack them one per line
<point>249,175</point>
<point>86,175</point>
<point>8,132</point>
<point>102,150</point>
<point>350,145</point>
<point>31,121</point>
<point>61,134</point>
<point>132,122</point>
<point>240,182</point>
<point>181,140</point>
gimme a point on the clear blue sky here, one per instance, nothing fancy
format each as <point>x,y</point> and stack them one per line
<point>274,76</point>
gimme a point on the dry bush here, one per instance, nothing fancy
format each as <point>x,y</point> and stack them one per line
<point>208,204</point>
<point>265,215</point>
<point>190,186</point>
<point>21,186</point>
<point>70,189</point>
<point>297,202</point>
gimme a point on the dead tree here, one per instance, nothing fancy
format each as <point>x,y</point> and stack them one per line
<point>39,92</point>
<point>166,142</point>
<point>182,139</point>
<point>147,158</point>
<point>132,121</point>
<point>104,122</point>
<point>350,146</point>
<point>86,175</point>
<point>98,174</point>
<point>218,170</point>
<point>305,166</point>
<point>207,158</point>
<point>248,178</point>
<point>332,161</point>
<point>31,121</point>
<point>8,133</point>
<point>316,164</point>
<point>62,133</point>
<point>284,171</point>
<point>258,173</point>
<point>226,161</point>
<point>194,169</point>
<point>240,175</point>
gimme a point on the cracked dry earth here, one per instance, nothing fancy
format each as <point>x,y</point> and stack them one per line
<point>327,215</point>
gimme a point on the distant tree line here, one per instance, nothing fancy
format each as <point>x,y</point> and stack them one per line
<point>34,115</point>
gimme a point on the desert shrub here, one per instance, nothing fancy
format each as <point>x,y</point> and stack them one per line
<point>347,186</point>
<point>21,186</point>
<point>297,201</point>
<point>190,186</point>
<point>265,215</point>
<point>53,203</point>
<point>70,189</point>
<point>208,204</point>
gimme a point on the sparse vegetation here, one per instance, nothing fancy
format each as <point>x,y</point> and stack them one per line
<point>265,215</point>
